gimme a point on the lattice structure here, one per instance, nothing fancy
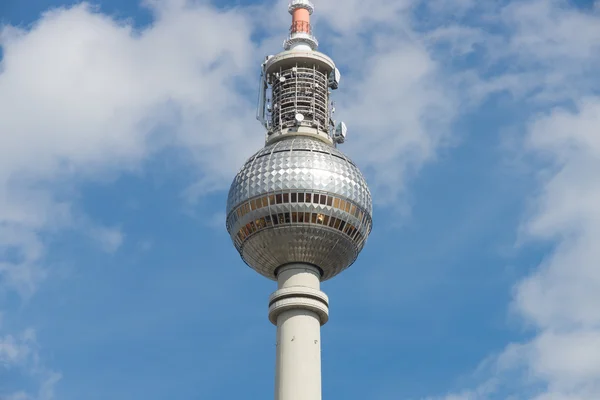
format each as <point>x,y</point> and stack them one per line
<point>299,90</point>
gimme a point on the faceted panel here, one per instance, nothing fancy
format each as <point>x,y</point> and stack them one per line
<point>299,164</point>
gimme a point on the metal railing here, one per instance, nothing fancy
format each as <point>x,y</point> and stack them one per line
<point>300,90</point>
<point>301,26</point>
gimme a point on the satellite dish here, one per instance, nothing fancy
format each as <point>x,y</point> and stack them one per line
<point>299,118</point>
<point>282,79</point>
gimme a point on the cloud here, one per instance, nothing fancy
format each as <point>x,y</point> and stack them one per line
<point>13,351</point>
<point>558,298</point>
<point>21,352</point>
<point>349,17</point>
<point>401,111</point>
<point>550,52</point>
<point>86,97</point>
<point>109,239</point>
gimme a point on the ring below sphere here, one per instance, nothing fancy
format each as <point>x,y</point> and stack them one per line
<point>299,200</point>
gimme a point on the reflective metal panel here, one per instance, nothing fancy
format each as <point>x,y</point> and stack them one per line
<point>263,207</point>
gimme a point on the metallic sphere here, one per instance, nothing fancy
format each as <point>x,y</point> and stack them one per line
<point>299,200</point>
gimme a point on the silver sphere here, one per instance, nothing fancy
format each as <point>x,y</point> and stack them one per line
<point>299,200</point>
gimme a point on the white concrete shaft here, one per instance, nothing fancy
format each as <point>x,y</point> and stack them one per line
<point>298,365</point>
<point>298,362</point>
<point>292,275</point>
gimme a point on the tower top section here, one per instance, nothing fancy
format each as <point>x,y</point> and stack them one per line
<point>295,86</point>
<point>301,37</point>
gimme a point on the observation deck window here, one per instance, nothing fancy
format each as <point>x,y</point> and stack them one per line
<point>319,218</point>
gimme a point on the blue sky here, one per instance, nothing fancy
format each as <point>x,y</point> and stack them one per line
<point>476,123</point>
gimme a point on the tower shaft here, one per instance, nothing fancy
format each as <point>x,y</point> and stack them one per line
<point>298,308</point>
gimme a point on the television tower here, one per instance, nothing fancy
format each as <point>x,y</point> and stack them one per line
<point>299,211</point>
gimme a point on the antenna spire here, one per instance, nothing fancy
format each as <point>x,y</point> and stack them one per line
<point>301,37</point>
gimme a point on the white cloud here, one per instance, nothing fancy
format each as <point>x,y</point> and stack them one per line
<point>450,7</point>
<point>538,45</point>
<point>552,53</point>
<point>560,298</point>
<point>84,97</point>
<point>21,352</point>
<point>349,17</point>
<point>11,352</point>
<point>15,351</point>
<point>400,111</point>
<point>110,239</point>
